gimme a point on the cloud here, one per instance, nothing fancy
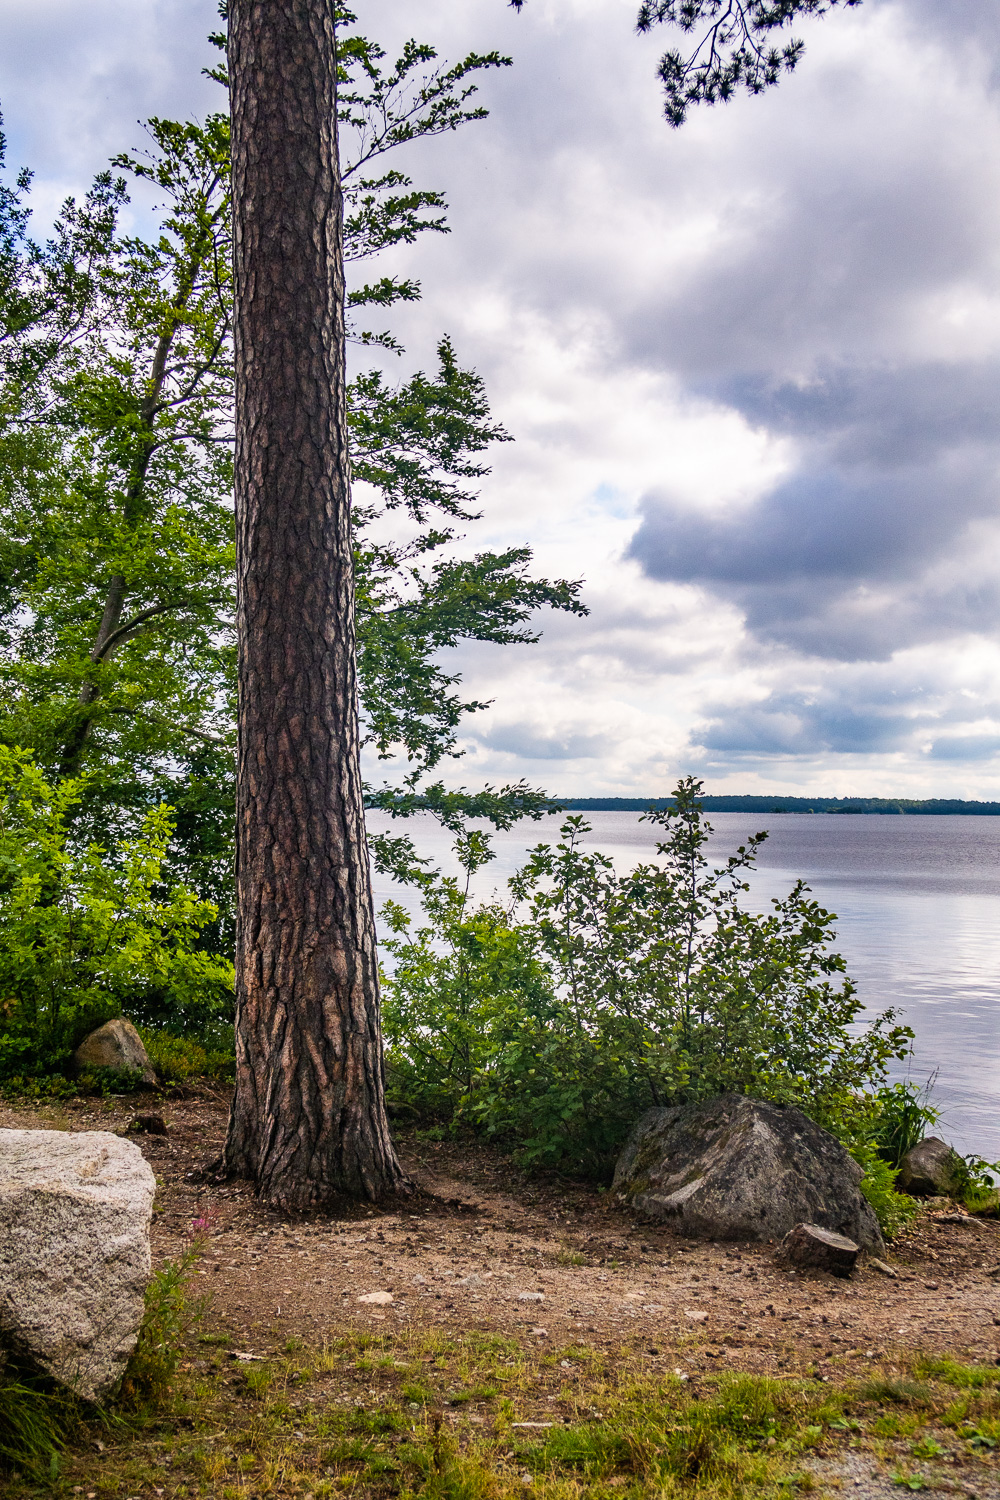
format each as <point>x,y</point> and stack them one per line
<point>793,725</point>
<point>892,722</point>
<point>530,742</point>
<point>865,547</point>
<point>879,416</point>
<point>966,747</point>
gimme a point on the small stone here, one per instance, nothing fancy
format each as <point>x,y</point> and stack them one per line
<point>420,1281</point>
<point>472,1280</point>
<point>376,1299</point>
<point>809,1245</point>
<point>540,1333</point>
<point>531,1296</point>
<point>880,1265</point>
<point>695,1314</point>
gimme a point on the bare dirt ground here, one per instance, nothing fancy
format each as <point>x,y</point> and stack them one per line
<point>480,1247</point>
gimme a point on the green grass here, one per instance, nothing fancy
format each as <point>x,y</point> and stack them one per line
<point>422,1415</point>
<point>34,1426</point>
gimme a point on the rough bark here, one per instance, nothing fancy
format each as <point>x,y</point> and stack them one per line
<point>308,1119</point>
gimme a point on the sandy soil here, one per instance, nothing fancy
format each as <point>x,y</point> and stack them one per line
<point>481,1247</point>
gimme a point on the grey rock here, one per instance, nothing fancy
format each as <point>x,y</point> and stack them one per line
<point>75,1210</point>
<point>932,1168</point>
<point>808,1245</point>
<point>116,1044</point>
<point>741,1169</point>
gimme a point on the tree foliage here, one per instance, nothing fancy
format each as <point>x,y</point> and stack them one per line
<point>737,47</point>
<point>81,934</point>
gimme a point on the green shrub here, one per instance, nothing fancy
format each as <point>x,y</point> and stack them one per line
<point>459,989</point>
<point>49,1087</point>
<point>109,1082</point>
<point>893,1210</point>
<point>82,929</point>
<point>556,1023</point>
<point>179,1058</point>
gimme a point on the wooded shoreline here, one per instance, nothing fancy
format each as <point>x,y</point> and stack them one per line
<point>931,806</point>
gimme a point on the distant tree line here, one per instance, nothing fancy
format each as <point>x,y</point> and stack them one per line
<point>932,806</point>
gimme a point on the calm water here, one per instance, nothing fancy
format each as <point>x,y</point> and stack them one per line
<point>918,901</point>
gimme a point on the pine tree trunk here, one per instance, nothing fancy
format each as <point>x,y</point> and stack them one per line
<point>308,1119</point>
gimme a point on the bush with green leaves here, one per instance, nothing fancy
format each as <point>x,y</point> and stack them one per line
<point>652,987</point>
<point>457,992</point>
<point>179,1058</point>
<point>83,929</point>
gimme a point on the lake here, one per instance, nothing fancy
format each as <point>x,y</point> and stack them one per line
<point>917,900</point>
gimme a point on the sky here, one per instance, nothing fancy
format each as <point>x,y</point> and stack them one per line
<point>751,367</point>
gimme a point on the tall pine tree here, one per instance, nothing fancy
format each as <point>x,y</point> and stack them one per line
<point>308,1118</point>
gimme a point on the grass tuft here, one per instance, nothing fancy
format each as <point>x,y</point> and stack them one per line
<point>35,1422</point>
<point>168,1319</point>
<point>897,1391</point>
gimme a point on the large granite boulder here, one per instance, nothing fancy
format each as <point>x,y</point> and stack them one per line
<point>932,1169</point>
<point>740,1169</point>
<point>75,1211</point>
<point>117,1045</point>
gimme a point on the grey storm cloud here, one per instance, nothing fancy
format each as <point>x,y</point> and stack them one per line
<point>843,558</point>
<point>966,747</point>
<point>880,416</point>
<point>793,725</point>
<point>869,710</point>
